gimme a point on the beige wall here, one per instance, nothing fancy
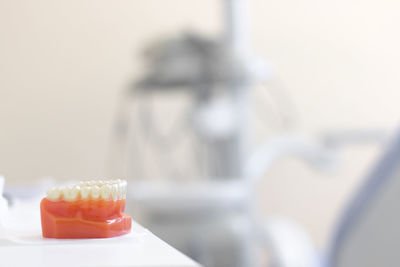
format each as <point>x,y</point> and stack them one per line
<point>63,64</point>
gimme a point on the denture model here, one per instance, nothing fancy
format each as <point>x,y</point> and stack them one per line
<point>93,209</point>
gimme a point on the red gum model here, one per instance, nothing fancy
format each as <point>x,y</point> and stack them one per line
<point>89,210</point>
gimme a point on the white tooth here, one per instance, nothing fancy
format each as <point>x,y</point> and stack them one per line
<point>84,183</point>
<point>105,192</point>
<point>120,191</point>
<point>85,191</point>
<point>71,193</point>
<point>53,194</point>
<point>115,189</point>
<point>114,192</point>
<point>63,190</point>
<point>76,189</point>
<point>95,191</point>
<point>124,184</point>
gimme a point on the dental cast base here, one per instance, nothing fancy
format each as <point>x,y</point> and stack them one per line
<point>93,209</point>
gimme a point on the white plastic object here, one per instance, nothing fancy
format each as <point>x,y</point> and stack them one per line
<point>289,245</point>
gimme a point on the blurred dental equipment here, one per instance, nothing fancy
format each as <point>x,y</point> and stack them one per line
<point>367,234</point>
<point>184,137</point>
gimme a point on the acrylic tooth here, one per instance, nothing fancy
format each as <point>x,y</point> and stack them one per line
<point>120,191</point>
<point>76,190</point>
<point>114,192</point>
<point>63,191</point>
<point>85,192</point>
<point>71,193</point>
<point>83,183</point>
<point>124,188</point>
<point>105,192</point>
<point>53,194</point>
<point>111,189</point>
<point>95,192</point>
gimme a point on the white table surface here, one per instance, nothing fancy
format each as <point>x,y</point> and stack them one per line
<point>21,244</point>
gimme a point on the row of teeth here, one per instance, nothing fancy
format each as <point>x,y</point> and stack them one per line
<point>106,190</point>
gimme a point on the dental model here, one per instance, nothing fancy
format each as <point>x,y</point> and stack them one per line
<point>93,209</point>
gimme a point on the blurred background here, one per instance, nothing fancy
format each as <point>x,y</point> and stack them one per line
<point>74,102</point>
